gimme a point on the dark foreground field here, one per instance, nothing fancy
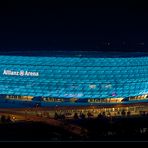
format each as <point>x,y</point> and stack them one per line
<point>100,129</point>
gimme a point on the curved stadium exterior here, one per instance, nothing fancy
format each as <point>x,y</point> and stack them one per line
<point>72,78</point>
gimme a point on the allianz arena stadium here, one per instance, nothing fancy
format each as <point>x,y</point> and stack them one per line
<point>75,78</point>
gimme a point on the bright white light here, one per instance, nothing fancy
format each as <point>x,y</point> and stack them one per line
<point>108,86</point>
<point>92,86</point>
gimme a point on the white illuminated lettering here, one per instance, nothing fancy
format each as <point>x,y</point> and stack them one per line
<point>20,73</point>
<point>5,72</point>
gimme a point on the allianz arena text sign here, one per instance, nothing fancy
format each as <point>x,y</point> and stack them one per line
<point>20,73</point>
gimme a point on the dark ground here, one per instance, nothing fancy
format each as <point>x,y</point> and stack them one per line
<point>32,131</point>
<point>100,129</point>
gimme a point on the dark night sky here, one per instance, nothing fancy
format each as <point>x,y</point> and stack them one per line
<point>46,26</point>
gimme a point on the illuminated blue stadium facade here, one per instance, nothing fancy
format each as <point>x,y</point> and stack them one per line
<point>73,76</point>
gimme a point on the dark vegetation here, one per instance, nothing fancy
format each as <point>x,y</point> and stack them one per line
<point>33,131</point>
<point>99,129</point>
<point>115,128</point>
